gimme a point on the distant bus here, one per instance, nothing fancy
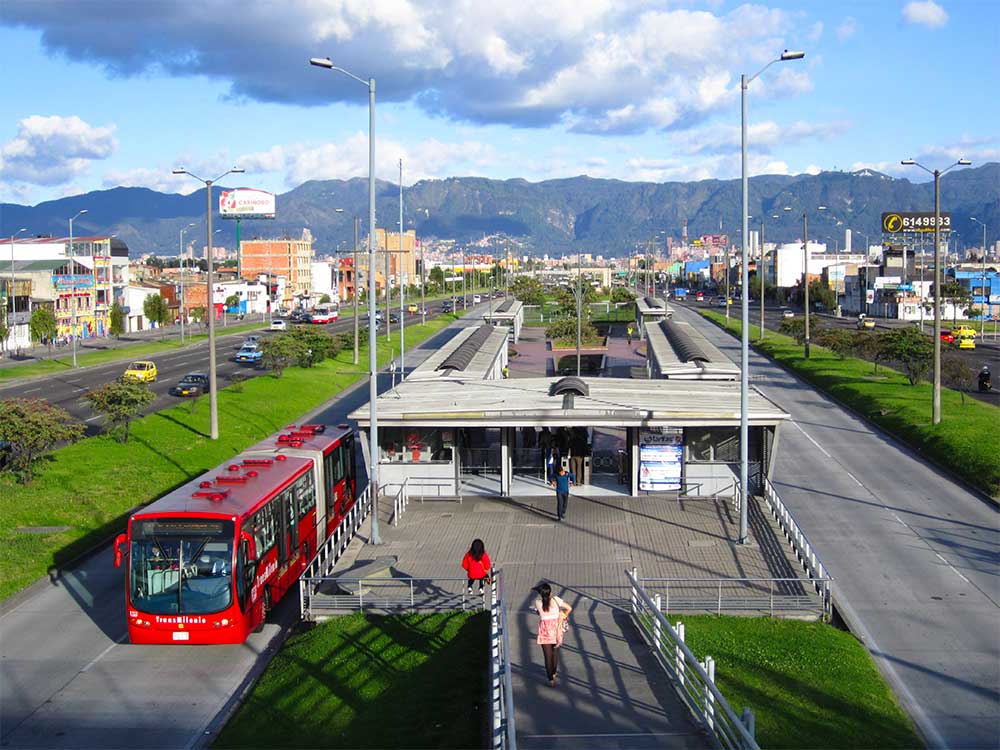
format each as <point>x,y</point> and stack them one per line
<point>206,562</point>
<point>325,314</point>
<point>680,293</point>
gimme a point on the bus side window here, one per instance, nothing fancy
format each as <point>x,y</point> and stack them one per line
<point>328,472</point>
<point>305,493</point>
<point>347,447</point>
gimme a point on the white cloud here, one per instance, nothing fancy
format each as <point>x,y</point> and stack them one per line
<point>813,169</point>
<point>761,136</point>
<point>54,150</point>
<point>155,179</point>
<point>597,65</point>
<point>978,150</point>
<point>925,13</point>
<point>847,28</point>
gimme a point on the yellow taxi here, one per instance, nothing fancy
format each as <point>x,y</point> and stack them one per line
<point>412,308</point>
<point>963,331</point>
<point>141,371</point>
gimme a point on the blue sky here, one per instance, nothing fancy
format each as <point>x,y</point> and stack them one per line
<point>108,93</point>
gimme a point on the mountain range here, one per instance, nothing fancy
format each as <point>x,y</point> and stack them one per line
<point>565,215</point>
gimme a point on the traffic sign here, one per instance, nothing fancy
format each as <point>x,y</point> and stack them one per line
<point>905,222</point>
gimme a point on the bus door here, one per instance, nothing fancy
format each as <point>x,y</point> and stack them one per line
<point>290,526</point>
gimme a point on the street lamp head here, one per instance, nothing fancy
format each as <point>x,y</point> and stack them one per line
<point>237,170</point>
<point>792,55</point>
<point>180,170</point>
<point>964,163</point>
<point>787,208</point>
<point>338,210</point>
<point>321,62</point>
<point>83,211</point>
<point>821,208</point>
<point>908,162</point>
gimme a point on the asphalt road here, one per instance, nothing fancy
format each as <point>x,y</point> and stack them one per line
<point>70,679</point>
<point>914,554</point>
<point>987,352</point>
<point>66,389</point>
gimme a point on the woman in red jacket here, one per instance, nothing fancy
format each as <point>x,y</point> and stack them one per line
<point>476,564</point>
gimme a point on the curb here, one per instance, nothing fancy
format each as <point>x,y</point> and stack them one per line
<point>896,439</point>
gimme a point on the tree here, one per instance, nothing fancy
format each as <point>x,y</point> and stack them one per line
<point>32,427</point>
<point>956,373</point>
<point>868,344</point>
<point>821,294</point>
<point>621,294</point>
<point>4,330</point>
<point>314,345</point>
<point>436,276</point>
<point>154,307</point>
<point>955,294</point>
<point>197,314</point>
<point>233,302</point>
<point>911,349</point>
<point>325,299</point>
<point>278,352</point>
<point>839,340</point>
<point>119,402</point>
<point>529,290</point>
<point>42,325</point>
<point>117,327</point>
<point>796,328</point>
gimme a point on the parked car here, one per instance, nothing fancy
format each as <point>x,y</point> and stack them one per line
<point>786,313</point>
<point>278,325</point>
<point>141,371</point>
<point>192,384</point>
<point>249,354</point>
<point>947,336</point>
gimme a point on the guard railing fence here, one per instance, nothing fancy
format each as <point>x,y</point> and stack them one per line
<point>755,596</point>
<point>400,501</point>
<point>339,594</point>
<point>504,732</point>
<point>694,680</point>
<point>804,551</point>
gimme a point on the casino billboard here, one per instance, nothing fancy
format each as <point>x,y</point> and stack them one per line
<point>246,203</point>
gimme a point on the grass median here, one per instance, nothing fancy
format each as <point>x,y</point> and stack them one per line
<point>415,681</point>
<point>82,493</point>
<point>966,441</point>
<point>123,353</point>
<point>809,684</point>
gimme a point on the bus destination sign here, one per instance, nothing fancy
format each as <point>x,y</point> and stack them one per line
<point>903,222</point>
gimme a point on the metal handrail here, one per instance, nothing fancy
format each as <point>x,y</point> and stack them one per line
<point>401,500</point>
<point>388,594</point>
<point>695,683</point>
<point>804,551</point>
<point>330,551</point>
<point>504,730</point>
<point>745,602</point>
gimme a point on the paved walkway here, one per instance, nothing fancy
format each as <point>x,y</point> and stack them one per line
<point>610,692</point>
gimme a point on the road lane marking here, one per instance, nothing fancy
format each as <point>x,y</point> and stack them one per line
<point>101,655</point>
<point>32,390</point>
<point>855,479</point>
<point>953,569</point>
<point>92,418</point>
<point>809,437</point>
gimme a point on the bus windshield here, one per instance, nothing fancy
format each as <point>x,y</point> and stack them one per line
<point>181,565</point>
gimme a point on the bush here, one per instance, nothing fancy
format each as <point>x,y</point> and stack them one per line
<point>32,427</point>
<point>119,402</point>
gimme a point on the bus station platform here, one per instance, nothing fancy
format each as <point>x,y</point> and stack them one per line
<point>610,693</point>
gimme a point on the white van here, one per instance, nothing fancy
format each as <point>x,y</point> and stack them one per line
<point>476,299</point>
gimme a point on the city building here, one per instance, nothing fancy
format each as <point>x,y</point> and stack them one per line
<point>403,263</point>
<point>283,258</point>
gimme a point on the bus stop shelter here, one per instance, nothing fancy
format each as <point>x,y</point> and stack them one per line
<point>649,311</point>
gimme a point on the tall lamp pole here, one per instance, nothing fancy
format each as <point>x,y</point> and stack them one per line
<point>579,308</point>
<point>181,259</point>
<point>936,398</point>
<point>984,292</point>
<point>10,292</point>
<point>745,303</point>
<point>324,62</point>
<point>72,256</point>
<point>402,312</point>
<point>213,391</point>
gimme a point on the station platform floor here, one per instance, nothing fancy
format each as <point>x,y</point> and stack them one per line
<point>610,692</point>
<point>601,485</point>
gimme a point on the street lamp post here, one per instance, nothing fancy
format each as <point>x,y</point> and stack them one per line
<point>579,308</point>
<point>402,312</point>
<point>181,258</point>
<point>936,398</point>
<point>985,294</point>
<point>324,62</point>
<point>10,292</point>
<point>213,391</point>
<point>744,301</point>
<point>72,256</point>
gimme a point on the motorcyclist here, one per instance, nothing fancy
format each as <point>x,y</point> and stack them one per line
<point>985,381</point>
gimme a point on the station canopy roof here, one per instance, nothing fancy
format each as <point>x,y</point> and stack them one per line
<point>535,402</point>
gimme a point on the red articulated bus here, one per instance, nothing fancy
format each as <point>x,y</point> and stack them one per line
<point>205,563</point>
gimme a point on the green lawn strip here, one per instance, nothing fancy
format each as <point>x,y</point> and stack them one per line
<point>966,441</point>
<point>122,353</point>
<point>414,681</point>
<point>91,485</point>
<point>808,684</point>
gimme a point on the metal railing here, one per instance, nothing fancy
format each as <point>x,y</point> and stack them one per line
<point>693,680</point>
<point>504,730</point>
<point>804,551</point>
<point>332,549</point>
<point>400,501</point>
<point>761,596</point>
<point>335,595</point>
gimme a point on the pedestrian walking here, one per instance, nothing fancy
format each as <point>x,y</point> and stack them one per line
<point>562,484</point>
<point>628,335</point>
<point>553,621</point>
<point>477,565</point>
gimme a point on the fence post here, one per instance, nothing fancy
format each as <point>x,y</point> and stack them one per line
<point>749,722</point>
<point>770,597</point>
<point>709,666</point>
<point>719,610</point>
<point>635,595</point>
<point>411,594</point>
<point>657,628</point>
<point>679,628</point>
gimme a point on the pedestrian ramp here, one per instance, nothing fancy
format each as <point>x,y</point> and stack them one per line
<point>610,691</point>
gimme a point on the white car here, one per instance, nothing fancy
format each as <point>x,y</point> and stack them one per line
<point>787,314</point>
<point>476,299</point>
<point>278,325</point>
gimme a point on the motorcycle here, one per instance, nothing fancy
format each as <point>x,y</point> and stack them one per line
<point>985,381</point>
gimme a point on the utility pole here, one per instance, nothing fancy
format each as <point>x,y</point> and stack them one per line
<point>579,308</point>
<point>402,312</point>
<point>763,277</point>
<point>354,265</point>
<point>183,229</point>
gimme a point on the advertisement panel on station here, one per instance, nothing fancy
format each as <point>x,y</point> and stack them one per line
<point>247,203</point>
<point>661,460</point>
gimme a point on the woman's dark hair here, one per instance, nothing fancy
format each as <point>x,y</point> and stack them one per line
<point>477,550</point>
<point>544,591</point>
